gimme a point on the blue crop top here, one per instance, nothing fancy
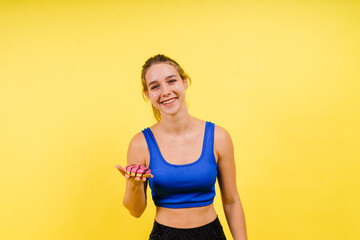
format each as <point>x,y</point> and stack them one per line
<point>183,186</point>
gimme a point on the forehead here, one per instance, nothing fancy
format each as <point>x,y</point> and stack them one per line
<point>160,71</point>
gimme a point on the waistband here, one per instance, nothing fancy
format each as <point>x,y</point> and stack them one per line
<point>215,222</point>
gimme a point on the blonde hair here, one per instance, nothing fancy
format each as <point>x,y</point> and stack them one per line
<point>156,60</point>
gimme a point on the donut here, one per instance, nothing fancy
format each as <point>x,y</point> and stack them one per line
<point>135,170</point>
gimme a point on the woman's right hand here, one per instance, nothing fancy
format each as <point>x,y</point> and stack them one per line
<point>132,178</point>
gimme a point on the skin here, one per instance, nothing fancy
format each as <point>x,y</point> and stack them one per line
<point>179,137</point>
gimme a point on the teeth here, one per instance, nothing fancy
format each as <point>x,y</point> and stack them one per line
<point>169,101</point>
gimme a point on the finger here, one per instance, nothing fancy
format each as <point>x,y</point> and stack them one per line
<point>121,169</point>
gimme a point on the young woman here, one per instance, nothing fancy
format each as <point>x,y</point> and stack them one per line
<point>185,156</point>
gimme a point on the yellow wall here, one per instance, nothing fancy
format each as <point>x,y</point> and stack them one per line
<point>281,77</point>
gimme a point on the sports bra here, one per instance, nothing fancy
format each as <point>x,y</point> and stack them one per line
<point>187,185</point>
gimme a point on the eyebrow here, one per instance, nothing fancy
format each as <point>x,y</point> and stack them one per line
<point>153,82</point>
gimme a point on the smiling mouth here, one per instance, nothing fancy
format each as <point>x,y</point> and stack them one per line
<point>168,101</point>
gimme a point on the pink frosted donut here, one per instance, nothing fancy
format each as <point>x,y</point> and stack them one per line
<point>135,170</point>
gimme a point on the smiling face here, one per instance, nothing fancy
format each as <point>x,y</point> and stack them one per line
<point>165,88</point>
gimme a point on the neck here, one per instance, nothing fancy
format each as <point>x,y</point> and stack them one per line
<point>176,123</point>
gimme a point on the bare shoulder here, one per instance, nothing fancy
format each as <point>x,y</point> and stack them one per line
<point>221,134</point>
<point>222,140</point>
<point>138,151</point>
<point>138,141</point>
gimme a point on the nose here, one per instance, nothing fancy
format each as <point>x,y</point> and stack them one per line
<point>165,91</point>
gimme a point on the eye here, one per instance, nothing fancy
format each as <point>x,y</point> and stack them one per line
<point>153,87</point>
<point>172,80</point>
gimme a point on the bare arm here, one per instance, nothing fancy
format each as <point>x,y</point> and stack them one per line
<point>227,181</point>
<point>135,193</point>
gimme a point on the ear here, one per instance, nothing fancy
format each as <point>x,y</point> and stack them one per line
<point>185,82</point>
<point>146,95</point>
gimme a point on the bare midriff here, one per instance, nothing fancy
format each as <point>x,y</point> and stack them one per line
<point>185,217</point>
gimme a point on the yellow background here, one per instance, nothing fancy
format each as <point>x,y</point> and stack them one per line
<point>281,76</point>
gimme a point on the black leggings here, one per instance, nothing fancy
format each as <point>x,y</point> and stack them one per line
<point>210,231</point>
